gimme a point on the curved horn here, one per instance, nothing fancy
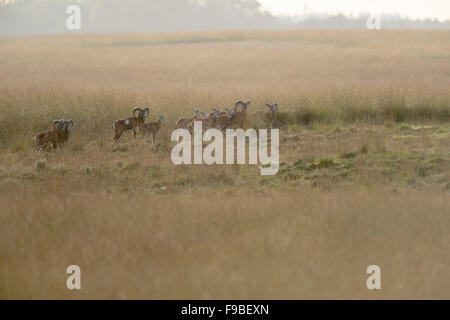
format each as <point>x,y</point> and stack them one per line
<point>56,122</point>
<point>237,104</point>
<point>136,109</point>
<point>146,111</point>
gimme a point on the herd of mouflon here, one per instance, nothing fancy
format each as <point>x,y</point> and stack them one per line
<point>227,119</point>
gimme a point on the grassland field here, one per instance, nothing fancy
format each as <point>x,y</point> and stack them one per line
<point>364,119</point>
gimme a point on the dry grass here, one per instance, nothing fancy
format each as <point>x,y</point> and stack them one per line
<point>304,244</point>
<point>365,176</point>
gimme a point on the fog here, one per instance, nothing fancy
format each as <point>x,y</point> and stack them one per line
<point>105,16</point>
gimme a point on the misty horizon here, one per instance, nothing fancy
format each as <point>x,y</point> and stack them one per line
<point>22,17</point>
<point>408,9</point>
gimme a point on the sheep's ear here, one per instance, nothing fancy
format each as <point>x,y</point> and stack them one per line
<point>275,106</point>
<point>146,112</point>
<point>70,123</point>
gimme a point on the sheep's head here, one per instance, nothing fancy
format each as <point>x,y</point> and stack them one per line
<point>213,115</point>
<point>63,124</point>
<point>228,112</point>
<point>242,106</point>
<point>273,107</point>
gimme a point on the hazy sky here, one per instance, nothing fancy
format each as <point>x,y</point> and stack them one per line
<point>412,8</point>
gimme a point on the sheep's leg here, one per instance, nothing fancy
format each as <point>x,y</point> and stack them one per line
<point>52,145</point>
<point>134,138</point>
<point>38,148</point>
<point>117,136</point>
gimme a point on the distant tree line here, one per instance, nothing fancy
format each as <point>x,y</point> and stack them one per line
<point>344,22</point>
<point>49,16</point>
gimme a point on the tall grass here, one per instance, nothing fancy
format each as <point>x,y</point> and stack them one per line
<point>277,246</point>
<point>373,78</point>
<point>360,109</point>
<point>26,111</point>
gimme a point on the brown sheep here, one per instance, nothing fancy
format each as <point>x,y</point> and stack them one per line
<point>239,115</point>
<point>264,117</point>
<point>52,137</point>
<point>152,127</point>
<point>223,119</point>
<point>208,121</point>
<point>133,123</point>
<point>183,123</point>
